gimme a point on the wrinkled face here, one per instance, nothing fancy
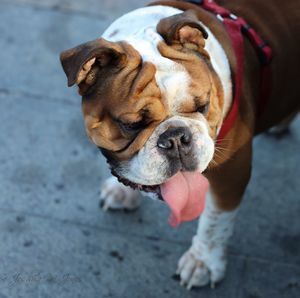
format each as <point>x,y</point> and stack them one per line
<point>151,100</point>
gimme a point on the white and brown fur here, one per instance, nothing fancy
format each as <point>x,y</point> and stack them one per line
<point>228,173</point>
<point>205,261</point>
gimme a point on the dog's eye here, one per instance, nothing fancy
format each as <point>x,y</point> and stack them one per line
<point>203,109</point>
<point>132,128</point>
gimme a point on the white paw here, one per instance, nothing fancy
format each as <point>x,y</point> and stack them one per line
<point>114,195</point>
<point>197,270</point>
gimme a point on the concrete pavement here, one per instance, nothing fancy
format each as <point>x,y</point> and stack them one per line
<point>54,240</point>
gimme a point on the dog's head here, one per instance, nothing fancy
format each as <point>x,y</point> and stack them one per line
<point>152,103</point>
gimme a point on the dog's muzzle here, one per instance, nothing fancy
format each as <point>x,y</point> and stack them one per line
<point>176,143</point>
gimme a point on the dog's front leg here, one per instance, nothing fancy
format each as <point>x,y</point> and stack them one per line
<point>205,261</point>
<point>114,195</point>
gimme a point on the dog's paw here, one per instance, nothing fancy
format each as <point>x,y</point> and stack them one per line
<point>195,270</point>
<point>114,195</point>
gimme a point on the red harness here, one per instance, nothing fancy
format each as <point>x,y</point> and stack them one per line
<point>236,28</point>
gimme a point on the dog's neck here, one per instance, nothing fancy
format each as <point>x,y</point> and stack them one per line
<point>139,29</point>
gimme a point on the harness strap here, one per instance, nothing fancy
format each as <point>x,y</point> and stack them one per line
<point>236,28</point>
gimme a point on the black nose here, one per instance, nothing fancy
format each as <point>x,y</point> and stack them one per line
<point>175,140</point>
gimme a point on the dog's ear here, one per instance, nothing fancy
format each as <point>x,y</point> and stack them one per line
<point>82,63</point>
<point>184,29</point>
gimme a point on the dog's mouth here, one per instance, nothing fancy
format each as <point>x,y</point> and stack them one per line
<point>145,188</point>
<point>184,193</point>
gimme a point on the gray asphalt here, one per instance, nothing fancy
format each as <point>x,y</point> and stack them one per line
<point>55,241</point>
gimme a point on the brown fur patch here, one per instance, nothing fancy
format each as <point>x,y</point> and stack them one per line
<point>128,92</point>
<point>120,91</point>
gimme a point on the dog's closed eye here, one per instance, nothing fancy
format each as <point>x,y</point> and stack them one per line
<point>132,128</point>
<point>202,107</point>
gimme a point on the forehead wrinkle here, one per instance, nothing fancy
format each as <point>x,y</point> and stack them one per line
<point>171,77</point>
<point>174,86</point>
<point>140,32</point>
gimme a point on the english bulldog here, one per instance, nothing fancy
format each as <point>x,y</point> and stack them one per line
<point>156,89</point>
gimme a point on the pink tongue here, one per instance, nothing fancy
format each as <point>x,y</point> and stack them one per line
<point>185,195</point>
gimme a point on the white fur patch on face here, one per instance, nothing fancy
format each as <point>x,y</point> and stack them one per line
<point>221,66</point>
<point>138,28</point>
<point>150,167</point>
